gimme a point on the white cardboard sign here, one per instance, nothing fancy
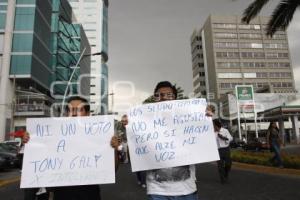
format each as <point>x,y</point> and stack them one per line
<point>170,134</point>
<point>68,151</point>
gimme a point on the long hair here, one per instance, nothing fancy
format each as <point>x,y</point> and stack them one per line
<point>270,126</point>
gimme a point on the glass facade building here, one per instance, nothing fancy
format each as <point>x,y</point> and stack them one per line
<point>40,46</point>
<point>68,40</point>
<point>93,15</point>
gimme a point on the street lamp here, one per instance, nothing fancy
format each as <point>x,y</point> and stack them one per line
<point>82,55</point>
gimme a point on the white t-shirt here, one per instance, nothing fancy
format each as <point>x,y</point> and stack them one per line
<point>223,143</point>
<point>173,181</point>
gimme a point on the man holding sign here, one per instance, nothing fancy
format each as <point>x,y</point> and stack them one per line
<point>77,162</point>
<point>164,139</point>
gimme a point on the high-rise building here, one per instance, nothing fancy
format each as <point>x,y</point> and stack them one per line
<point>39,48</point>
<point>93,15</point>
<point>226,53</point>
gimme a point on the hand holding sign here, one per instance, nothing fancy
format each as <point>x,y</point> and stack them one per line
<point>69,151</point>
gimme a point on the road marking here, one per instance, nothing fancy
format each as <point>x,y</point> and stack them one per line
<point>9,181</point>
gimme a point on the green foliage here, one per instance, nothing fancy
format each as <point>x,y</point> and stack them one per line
<point>281,16</point>
<point>263,158</point>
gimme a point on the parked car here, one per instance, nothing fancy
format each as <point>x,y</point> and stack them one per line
<point>237,143</point>
<point>256,144</point>
<point>8,157</point>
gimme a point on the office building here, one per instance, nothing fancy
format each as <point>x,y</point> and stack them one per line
<point>93,15</point>
<point>40,46</point>
<point>226,53</point>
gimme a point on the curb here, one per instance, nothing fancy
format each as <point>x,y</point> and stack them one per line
<point>9,181</point>
<point>267,170</point>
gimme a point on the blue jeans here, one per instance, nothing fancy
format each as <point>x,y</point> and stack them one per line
<point>192,196</point>
<point>276,148</point>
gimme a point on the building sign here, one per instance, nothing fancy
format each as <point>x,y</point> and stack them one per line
<point>244,92</point>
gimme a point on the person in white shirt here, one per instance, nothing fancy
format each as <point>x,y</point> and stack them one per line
<point>223,138</point>
<point>175,183</point>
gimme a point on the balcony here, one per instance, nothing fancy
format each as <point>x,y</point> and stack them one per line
<point>38,110</point>
<point>32,104</point>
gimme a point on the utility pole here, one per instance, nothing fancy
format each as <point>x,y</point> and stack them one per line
<point>112,100</point>
<point>13,106</point>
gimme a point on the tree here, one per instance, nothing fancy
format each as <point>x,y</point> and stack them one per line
<point>281,16</point>
<point>180,95</point>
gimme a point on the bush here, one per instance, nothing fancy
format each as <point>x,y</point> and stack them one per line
<point>263,158</point>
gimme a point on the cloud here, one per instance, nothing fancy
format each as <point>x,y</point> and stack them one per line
<point>126,95</point>
<point>149,40</point>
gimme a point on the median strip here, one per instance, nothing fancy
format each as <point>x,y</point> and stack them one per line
<point>266,169</point>
<point>9,181</point>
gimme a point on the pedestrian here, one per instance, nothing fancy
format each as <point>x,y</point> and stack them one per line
<point>122,136</point>
<point>223,138</point>
<point>141,177</point>
<point>274,142</point>
<point>79,106</point>
<point>176,182</point>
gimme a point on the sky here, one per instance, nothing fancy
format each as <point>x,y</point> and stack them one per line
<point>149,41</point>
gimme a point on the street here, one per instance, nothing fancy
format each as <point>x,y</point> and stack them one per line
<point>243,184</point>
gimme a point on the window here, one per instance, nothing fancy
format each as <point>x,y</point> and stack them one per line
<point>199,55</point>
<point>261,74</point>
<point>229,75</point>
<point>256,27</point>
<point>201,65</point>
<point>279,36</point>
<point>249,75</point>
<point>282,84</point>
<point>24,18</point>
<point>3,7</point>
<point>276,46</point>
<point>251,45</point>
<point>227,55</point>
<point>225,85</point>
<point>228,64</point>
<point>250,36</point>
<point>252,64</point>
<point>252,55</point>
<point>2,20</point>
<point>280,74</point>
<point>1,43</point>
<point>26,1</point>
<point>278,65</point>
<point>226,45</point>
<point>224,26</point>
<point>277,55</point>
<point>20,64</point>
<point>226,35</point>
<point>22,42</point>
<point>202,74</point>
<point>244,26</point>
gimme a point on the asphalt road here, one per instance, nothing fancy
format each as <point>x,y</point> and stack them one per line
<point>243,185</point>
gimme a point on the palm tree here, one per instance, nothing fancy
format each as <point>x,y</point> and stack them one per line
<point>281,16</point>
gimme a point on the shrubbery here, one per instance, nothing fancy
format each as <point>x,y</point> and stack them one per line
<point>263,158</point>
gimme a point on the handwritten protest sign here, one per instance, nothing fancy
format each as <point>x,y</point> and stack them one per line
<point>170,134</point>
<point>68,151</point>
